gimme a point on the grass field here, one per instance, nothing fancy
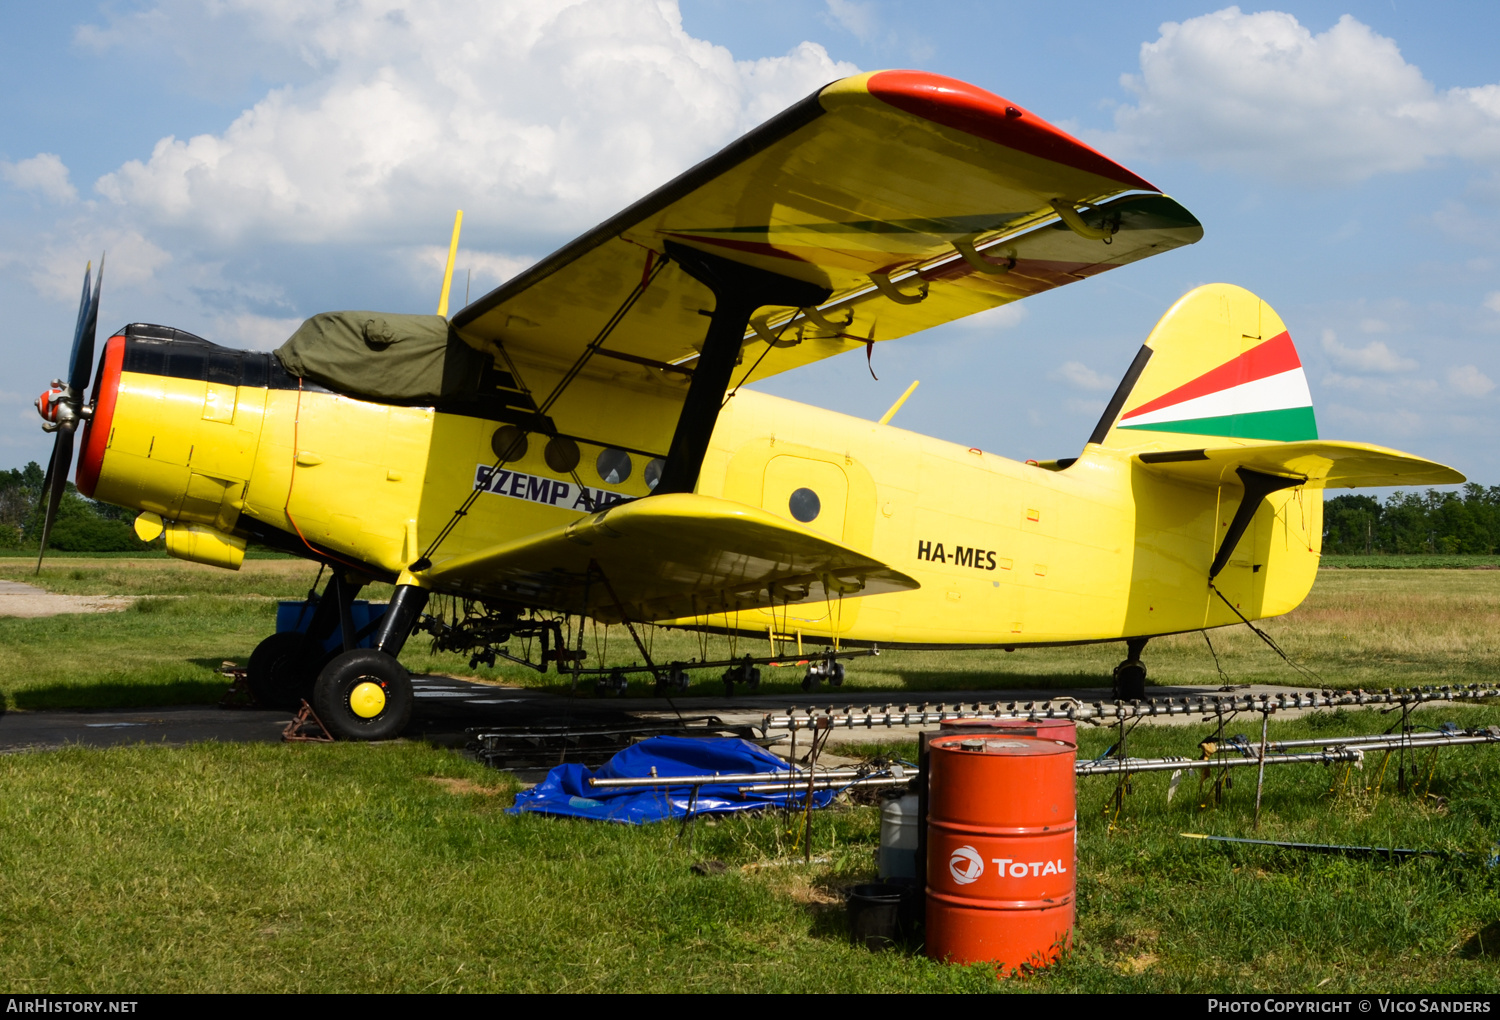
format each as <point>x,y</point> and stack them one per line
<point>1358,628</point>
<point>1412,561</point>
<point>394,867</point>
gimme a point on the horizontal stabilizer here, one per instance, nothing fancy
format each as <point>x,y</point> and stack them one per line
<point>669,557</point>
<point>1321,464</point>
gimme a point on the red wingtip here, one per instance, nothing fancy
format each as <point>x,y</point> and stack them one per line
<point>974,111</point>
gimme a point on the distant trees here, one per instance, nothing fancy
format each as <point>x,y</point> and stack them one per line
<point>82,525</point>
<point>1466,522</point>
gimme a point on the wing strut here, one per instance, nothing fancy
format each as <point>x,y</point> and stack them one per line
<point>738,291</point>
<point>1258,485</point>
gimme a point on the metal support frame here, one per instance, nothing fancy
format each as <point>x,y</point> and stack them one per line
<point>1108,712</point>
<point>335,610</point>
<point>738,291</point>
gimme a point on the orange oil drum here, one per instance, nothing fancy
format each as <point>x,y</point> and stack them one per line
<point>1000,849</point>
<point>1052,729</point>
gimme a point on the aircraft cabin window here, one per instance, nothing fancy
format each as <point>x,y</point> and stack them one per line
<point>613,466</point>
<point>561,454</point>
<point>509,443</point>
<point>654,468</point>
<point>805,505</point>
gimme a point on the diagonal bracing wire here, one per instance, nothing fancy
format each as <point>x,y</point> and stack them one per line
<point>546,405</point>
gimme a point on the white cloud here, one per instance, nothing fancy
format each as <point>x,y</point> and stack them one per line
<point>1492,301</point>
<point>1374,356</point>
<point>1469,381</point>
<point>256,332</point>
<point>486,270</point>
<point>1375,423</point>
<point>859,19</point>
<point>1262,95</point>
<point>542,116</point>
<point>999,317</point>
<point>44,173</point>
<point>57,270</point>
<point>1079,376</point>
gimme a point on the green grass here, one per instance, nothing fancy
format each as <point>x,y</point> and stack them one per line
<point>160,651</point>
<point>130,574</point>
<point>393,868</point>
<point>1358,628</point>
<point>251,553</point>
<point>1412,561</point>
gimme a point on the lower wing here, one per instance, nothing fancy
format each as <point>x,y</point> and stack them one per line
<point>668,557</point>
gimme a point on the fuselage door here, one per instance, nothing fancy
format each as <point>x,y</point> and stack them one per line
<point>814,493</point>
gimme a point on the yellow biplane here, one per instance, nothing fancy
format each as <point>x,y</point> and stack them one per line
<point>577,443</point>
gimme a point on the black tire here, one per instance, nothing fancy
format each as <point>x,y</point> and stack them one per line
<point>342,677</point>
<point>1130,681</point>
<point>282,670</point>
<point>836,674</point>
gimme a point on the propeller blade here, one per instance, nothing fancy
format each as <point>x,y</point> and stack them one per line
<point>57,483</point>
<point>83,314</point>
<point>81,368</point>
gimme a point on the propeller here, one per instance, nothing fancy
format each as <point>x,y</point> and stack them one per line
<point>62,407</point>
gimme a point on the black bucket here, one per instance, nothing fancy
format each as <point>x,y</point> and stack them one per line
<point>875,915</point>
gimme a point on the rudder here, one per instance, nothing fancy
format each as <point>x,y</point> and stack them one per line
<point>1219,364</point>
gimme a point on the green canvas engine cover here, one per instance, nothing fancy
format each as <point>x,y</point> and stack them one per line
<point>386,357</point>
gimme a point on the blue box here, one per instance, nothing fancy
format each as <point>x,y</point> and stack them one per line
<point>297,616</point>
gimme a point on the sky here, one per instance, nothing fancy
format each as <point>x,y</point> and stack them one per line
<point>247,165</point>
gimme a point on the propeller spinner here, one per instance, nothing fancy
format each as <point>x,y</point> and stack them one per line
<point>62,406</point>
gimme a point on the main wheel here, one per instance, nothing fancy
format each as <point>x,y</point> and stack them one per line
<point>363,694</point>
<point>282,670</point>
<point>1130,681</point>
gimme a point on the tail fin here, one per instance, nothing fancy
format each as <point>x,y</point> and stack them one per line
<point>1219,365</point>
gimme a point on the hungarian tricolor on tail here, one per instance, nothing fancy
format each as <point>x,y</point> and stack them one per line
<point>1220,364</point>
<point>1218,389</point>
<point>1260,394</point>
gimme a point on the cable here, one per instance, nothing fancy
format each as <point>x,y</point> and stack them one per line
<point>1263,636</point>
<point>557,391</point>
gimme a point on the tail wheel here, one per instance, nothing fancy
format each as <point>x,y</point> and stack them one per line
<point>282,670</point>
<point>363,694</point>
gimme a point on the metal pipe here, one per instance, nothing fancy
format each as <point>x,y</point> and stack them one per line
<point>829,784</point>
<point>1116,766</point>
<point>1383,738</point>
<point>868,717</point>
<point>726,779</point>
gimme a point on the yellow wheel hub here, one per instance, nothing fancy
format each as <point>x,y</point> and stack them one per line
<point>367,700</point>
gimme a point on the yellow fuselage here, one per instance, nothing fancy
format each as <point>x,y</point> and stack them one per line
<point>1007,553</point>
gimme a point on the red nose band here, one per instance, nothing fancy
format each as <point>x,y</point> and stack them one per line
<point>97,430</point>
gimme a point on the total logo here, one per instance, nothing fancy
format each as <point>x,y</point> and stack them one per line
<point>966,866</point>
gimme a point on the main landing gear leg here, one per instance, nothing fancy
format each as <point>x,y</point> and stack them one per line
<point>283,666</point>
<point>1130,675</point>
<point>364,693</point>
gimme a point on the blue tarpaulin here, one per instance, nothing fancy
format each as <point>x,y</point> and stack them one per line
<point>566,790</point>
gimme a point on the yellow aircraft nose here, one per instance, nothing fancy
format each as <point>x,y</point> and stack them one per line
<point>367,700</point>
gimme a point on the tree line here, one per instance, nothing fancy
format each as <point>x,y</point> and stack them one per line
<point>1452,523</point>
<point>82,525</point>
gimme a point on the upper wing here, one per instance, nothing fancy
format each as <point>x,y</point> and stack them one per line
<point>1324,464</point>
<point>952,190</point>
<point>669,557</point>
